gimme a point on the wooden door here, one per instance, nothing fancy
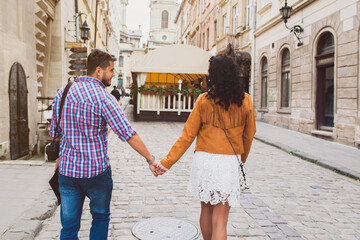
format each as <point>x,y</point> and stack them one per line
<point>19,130</point>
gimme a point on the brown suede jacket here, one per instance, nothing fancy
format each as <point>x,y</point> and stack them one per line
<point>203,123</point>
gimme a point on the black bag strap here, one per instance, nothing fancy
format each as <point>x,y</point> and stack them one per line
<point>63,97</point>
<point>240,163</point>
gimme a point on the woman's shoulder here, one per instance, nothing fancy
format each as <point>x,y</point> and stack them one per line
<point>202,98</point>
<point>247,98</point>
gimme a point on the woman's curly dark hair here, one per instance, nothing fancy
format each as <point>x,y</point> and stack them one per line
<point>224,83</point>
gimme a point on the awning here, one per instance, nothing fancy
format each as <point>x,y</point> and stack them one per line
<point>167,65</point>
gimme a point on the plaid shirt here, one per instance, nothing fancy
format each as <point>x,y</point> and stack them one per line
<point>87,111</point>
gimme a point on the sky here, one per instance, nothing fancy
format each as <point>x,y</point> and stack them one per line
<point>138,13</point>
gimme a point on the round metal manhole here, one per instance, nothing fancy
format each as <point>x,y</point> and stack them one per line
<point>165,228</point>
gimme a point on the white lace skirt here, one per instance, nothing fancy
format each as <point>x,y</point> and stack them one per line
<point>214,178</point>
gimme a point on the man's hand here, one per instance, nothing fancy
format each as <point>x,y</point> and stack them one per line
<point>56,165</point>
<point>157,168</point>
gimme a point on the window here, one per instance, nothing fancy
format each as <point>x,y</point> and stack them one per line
<point>264,78</point>
<point>215,30</point>
<point>224,25</point>
<point>203,40</point>
<point>235,19</point>
<point>325,82</point>
<point>164,19</point>
<point>121,61</point>
<point>207,38</point>
<point>248,12</point>
<point>285,79</point>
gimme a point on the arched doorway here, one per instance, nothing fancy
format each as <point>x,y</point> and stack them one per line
<point>19,130</point>
<point>324,107</point>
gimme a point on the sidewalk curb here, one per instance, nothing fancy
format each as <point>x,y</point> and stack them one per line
<point>307,157</point>
<point>30,223</point>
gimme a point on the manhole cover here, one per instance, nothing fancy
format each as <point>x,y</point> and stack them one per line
<point>165,228</point>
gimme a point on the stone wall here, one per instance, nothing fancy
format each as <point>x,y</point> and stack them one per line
<point>343,23</point>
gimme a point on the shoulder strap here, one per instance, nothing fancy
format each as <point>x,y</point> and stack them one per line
<point>223,128</point>
<point>63,97</point>
<point>240,163</point>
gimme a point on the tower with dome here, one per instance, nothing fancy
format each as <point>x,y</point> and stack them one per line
<point>162,23</point>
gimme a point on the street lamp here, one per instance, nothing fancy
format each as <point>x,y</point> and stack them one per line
<point>84,31</point>
<point>297,29</point>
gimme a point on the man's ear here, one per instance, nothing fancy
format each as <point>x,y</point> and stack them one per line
<point>98,70</point>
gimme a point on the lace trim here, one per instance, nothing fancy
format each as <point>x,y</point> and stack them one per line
<point>214,178</point>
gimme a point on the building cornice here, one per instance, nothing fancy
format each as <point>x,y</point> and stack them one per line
<point>299,5</point>
<point>179,11</point>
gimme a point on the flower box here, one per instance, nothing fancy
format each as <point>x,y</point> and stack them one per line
<point>167,94</point>
<point>147,92</point>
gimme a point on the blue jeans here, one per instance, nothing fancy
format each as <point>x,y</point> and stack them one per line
<point>73,191</point>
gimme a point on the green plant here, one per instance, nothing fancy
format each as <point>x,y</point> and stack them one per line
<point>133,87</point>
<point>185,90</point>
<point>173,90</point>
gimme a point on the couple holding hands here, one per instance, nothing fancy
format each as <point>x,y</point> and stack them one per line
<point>222,120</point>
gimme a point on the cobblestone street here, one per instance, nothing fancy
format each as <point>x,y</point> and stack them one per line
<point>289,198</point>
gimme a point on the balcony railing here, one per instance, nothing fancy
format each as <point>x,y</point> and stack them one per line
<point>173,103</point>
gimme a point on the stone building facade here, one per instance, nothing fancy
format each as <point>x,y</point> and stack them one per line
<point>162,23</point>
<point>129,40</point>
<point>35,64</point>
<point>312,88</point>
<point>235,24</point>
<point>198,24</point>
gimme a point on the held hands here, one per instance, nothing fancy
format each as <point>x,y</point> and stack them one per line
<point>157,168</point>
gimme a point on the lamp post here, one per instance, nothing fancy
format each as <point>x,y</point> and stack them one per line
<point>297,29</point>
<point>84,31</point>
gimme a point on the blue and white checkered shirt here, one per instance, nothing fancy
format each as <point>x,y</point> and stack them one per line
<point>87,111</point>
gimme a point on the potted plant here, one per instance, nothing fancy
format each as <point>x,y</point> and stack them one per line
<point>148,90</point>
<point>185,90</point>
<point>171,90</point>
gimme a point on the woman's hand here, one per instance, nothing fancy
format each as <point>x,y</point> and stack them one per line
<point>157,168</point>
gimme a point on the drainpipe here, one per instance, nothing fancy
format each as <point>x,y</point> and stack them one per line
<point>96,13</point>
<point>77,20</point>
<point>253,27</point>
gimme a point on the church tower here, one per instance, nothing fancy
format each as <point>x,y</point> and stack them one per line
<point>162,22</point>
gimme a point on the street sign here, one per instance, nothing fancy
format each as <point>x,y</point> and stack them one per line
<point>77,67</point>
<point>78,55</point>
<point>77,73</point>
<point>73,44</point>
<point>78,61</point>
<point>79,49</point>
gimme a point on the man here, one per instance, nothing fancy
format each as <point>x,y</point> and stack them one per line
<point>83,162</point>
<point>116,93</point>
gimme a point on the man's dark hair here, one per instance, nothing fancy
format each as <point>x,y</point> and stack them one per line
<point>98,58</point>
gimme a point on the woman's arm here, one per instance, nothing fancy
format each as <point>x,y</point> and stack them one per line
<point>190,131</point>
<point>249,130</point>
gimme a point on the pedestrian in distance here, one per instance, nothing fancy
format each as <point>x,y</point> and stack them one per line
<point>115,92</point>
<point>215,172</point>
<point>84,167</point>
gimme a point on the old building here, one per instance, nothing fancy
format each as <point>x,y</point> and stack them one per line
<point>129,40</point>
<point>197,24</point>
<point>310,84</point>
<point>235,25</point>
<point>34,62</point>
<point>36,38</point>
<point>162,23</point>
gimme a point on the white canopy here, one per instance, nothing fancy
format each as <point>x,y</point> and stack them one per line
<point>180,59</point>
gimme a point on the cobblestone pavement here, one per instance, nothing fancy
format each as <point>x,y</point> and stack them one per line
<point>289,198</point>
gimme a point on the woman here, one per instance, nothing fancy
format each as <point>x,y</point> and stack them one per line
<point>214,178</point>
